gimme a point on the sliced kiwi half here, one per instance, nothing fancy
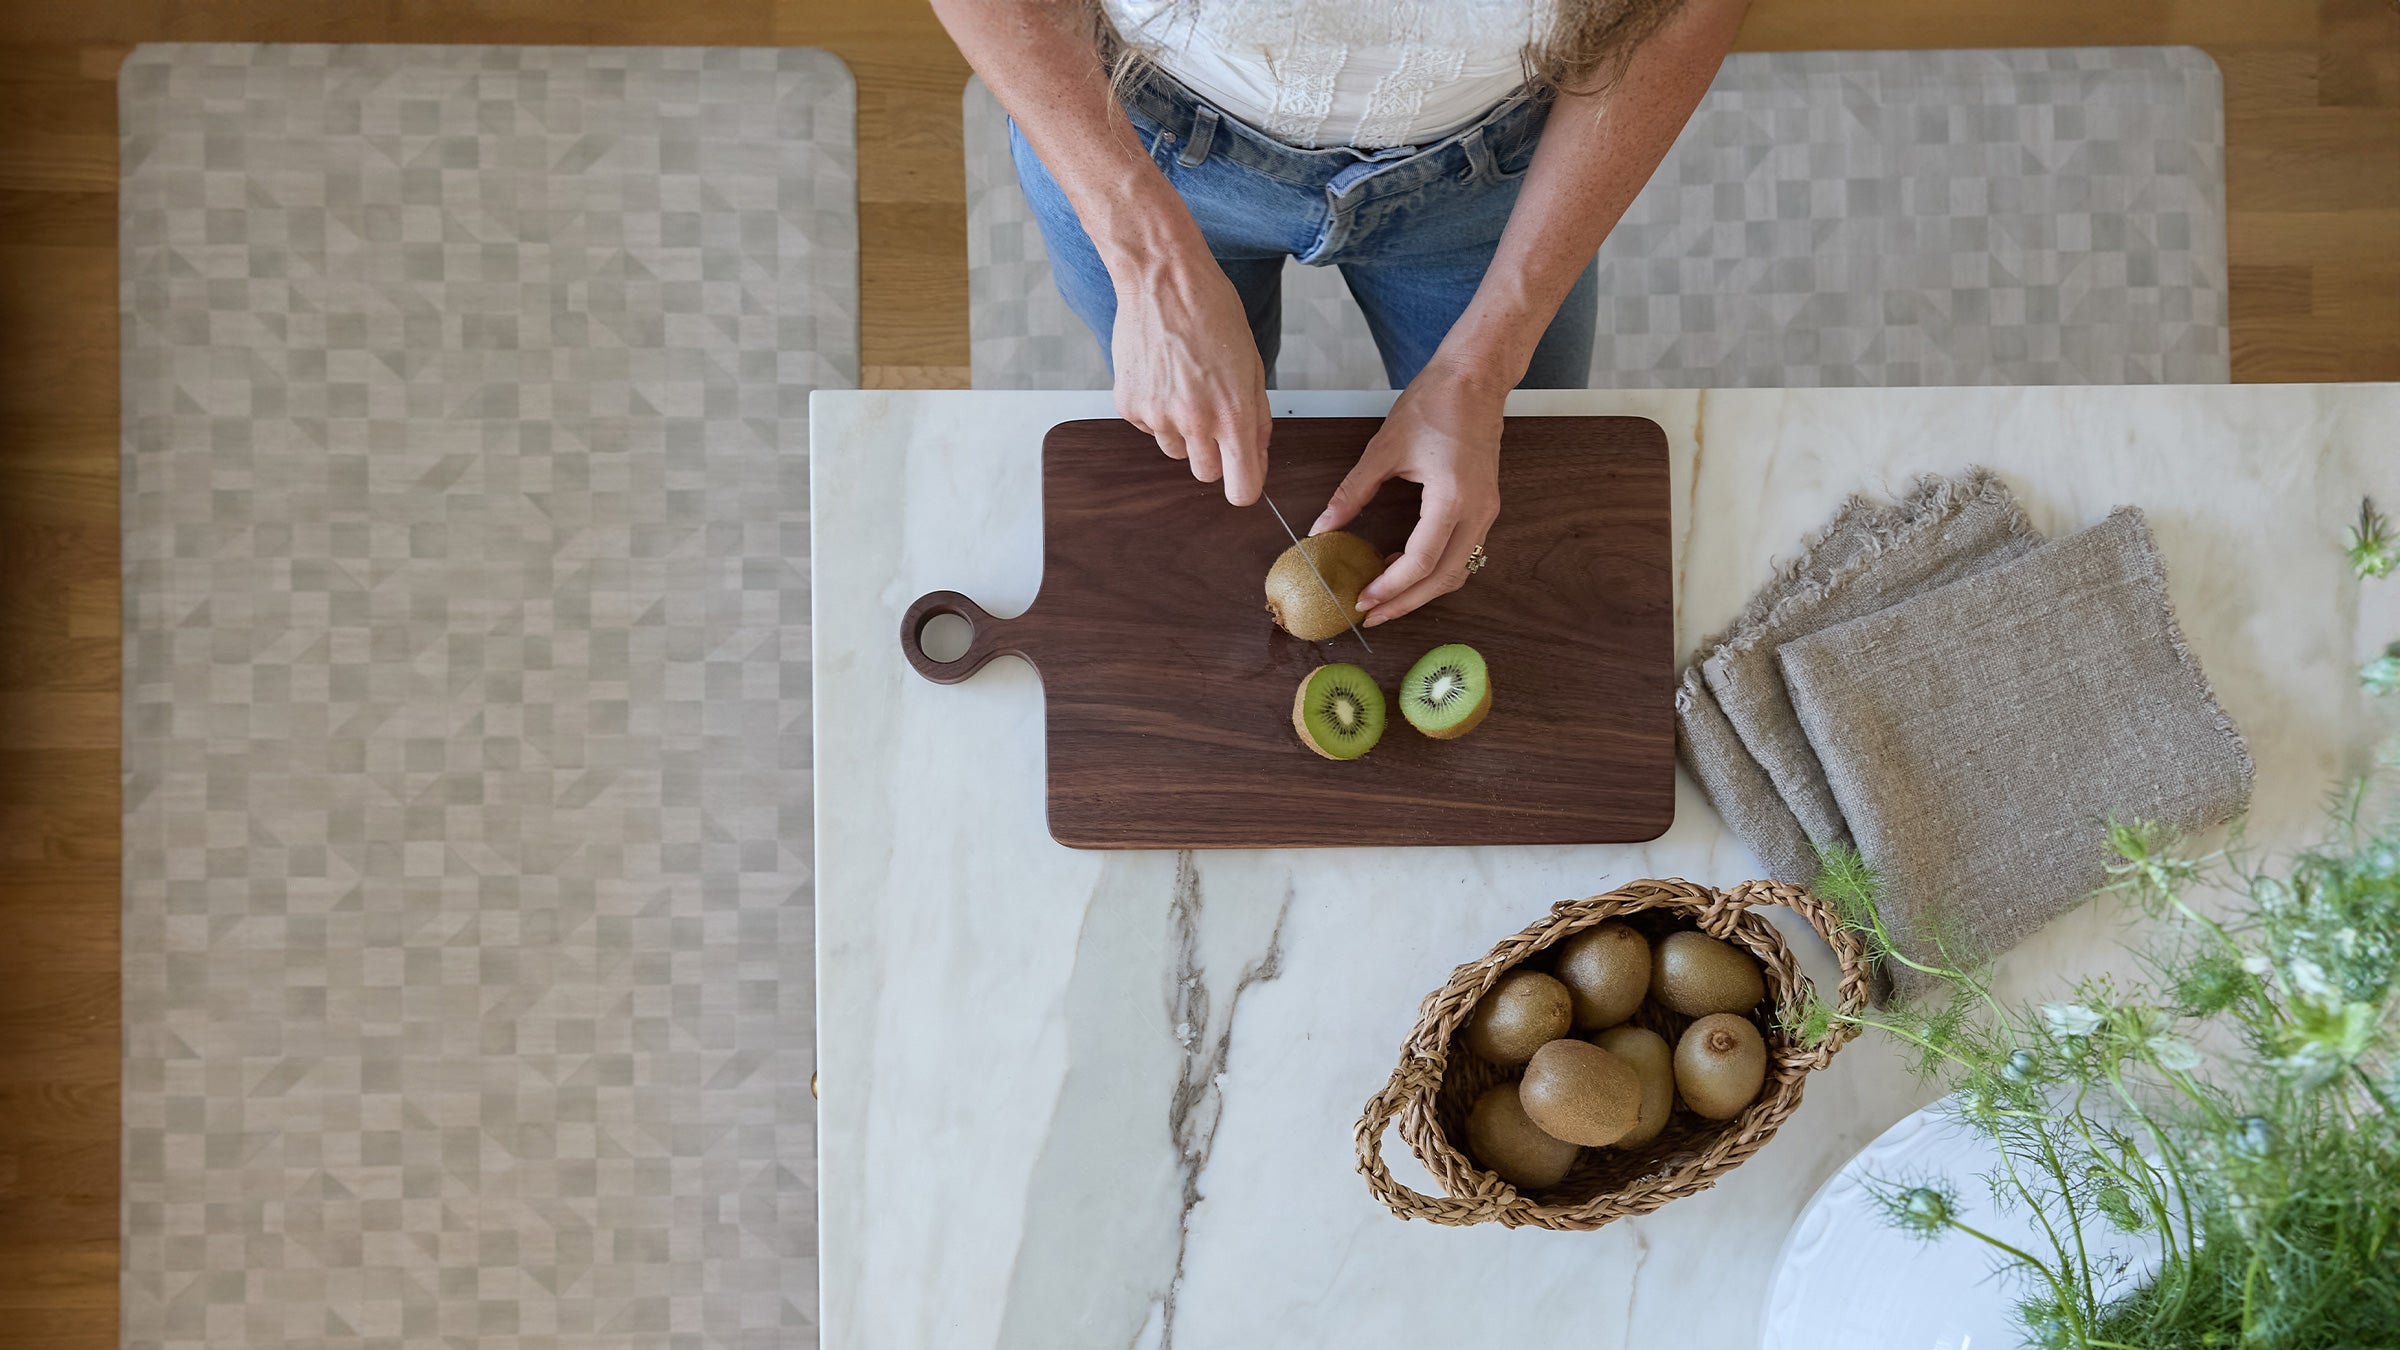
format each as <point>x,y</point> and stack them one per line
<point>1338,711</point>
<point>1447,692</point>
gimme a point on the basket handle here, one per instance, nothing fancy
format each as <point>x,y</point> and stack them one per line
<point>1413,1077</point>
<point>1849,953</point>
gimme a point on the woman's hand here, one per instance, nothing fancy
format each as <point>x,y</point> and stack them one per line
<point>1188,373</point>
<point>1187,368</point>
<point>1444,435</point>
<point>1597,149</point>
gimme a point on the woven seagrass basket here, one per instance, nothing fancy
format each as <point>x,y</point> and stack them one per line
<point>1438,1078</point>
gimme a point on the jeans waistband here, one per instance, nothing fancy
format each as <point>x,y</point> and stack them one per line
<point>1203,132</point>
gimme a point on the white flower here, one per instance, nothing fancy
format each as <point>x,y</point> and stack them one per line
<point>2311,1064</point>
<point>2258,963</point>
<point>2070,1019</point>
<point>2310,978</point>
<point>2175,1054</point>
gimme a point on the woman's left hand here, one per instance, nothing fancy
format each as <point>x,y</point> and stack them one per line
<point>1444,435</point>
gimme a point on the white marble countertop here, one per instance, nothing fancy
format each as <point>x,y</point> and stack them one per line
<point>1086,1099</point>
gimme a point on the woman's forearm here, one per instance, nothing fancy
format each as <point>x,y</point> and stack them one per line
<point>1185,368</point>
<point>1597,150</point>
<point>1038,58</point>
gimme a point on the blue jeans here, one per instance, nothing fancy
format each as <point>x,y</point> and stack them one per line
<point>1412,228</point>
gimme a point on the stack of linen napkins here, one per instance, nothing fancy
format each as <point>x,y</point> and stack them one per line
<point>1968,705</point>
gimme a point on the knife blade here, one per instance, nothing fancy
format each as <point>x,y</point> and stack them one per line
<point>1344,610</point>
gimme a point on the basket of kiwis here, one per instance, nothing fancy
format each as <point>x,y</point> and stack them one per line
<point>1621,1052</point>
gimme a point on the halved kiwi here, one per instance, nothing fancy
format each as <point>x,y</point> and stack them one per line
<point>1338,711</point>
<point>1447,692</point>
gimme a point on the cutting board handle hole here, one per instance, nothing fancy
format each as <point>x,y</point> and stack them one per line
<point>948,637</point>
<point>945,637</point>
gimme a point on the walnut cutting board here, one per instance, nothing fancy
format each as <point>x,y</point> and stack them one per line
<point>1170,690</point>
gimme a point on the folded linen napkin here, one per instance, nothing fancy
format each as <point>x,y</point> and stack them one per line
<point>1736,786</point>
<point>1739,736</point>
<point>1978,736</point>
<point>1944,530</point>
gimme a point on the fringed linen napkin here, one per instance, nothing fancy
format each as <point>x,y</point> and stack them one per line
<point>1966,705</point>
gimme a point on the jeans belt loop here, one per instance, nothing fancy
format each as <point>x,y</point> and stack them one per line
<point>1480,164</point>
<point>1204,134</point>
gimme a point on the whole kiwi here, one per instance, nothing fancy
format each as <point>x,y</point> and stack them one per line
<point>1647,1052</point>
<point>1607,968</point>
<point>1523,1012</point>
<point>1297,585</point>
<point>1720,1064</point>
<point>1695,974</point>
<point>1576,1091</point>
<point>1503,1138</point>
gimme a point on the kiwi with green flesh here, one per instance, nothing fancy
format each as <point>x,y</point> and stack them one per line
<point>1576,1091</point>
<point>1299,602</point>
<point>1695,974</point>
<point>1607,968</point>
<point>1720,1064</point>
<point>1338,711</point>
<point>1447,692</point>
<point>1650,1057</point>
<point>1524,1011</point>
<point>1505,1140</point>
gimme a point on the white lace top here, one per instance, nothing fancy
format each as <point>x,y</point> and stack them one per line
<point>1364,73</point>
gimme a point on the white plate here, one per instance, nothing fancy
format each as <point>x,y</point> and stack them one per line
<point>1848,1278</point>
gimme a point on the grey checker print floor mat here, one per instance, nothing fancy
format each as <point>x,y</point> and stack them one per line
<point>2051,216</point>
<point>467,929</point>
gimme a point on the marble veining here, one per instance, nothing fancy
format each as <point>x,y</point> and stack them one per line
<point>1199,1100</point>
<point>1080,1099</point>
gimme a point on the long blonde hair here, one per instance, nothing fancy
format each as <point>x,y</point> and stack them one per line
<point>1592,41</point>
<point>1587,46</point>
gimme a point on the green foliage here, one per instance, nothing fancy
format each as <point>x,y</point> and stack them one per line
<point>2265,1172</point>
<point>1924,1209</point>
<point>2147,865</point>
<point>2372,549</point>
<point>2381,676</point>
<point>2210,982</point>
<point>2374,553</point>
<point>1812,1021</point>
<point>1845,882</point>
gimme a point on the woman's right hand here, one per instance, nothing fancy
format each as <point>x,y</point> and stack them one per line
<point>1188,373</point>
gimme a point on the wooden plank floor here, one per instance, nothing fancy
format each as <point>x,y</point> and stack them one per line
<point>2313,175</point>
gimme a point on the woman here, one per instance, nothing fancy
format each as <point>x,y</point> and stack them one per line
<point>1460,160</point>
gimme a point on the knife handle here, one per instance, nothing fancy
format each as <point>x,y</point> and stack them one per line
<point>989,637</point>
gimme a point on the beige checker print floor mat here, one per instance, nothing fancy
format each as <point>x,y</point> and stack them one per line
<point>468,987</point>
